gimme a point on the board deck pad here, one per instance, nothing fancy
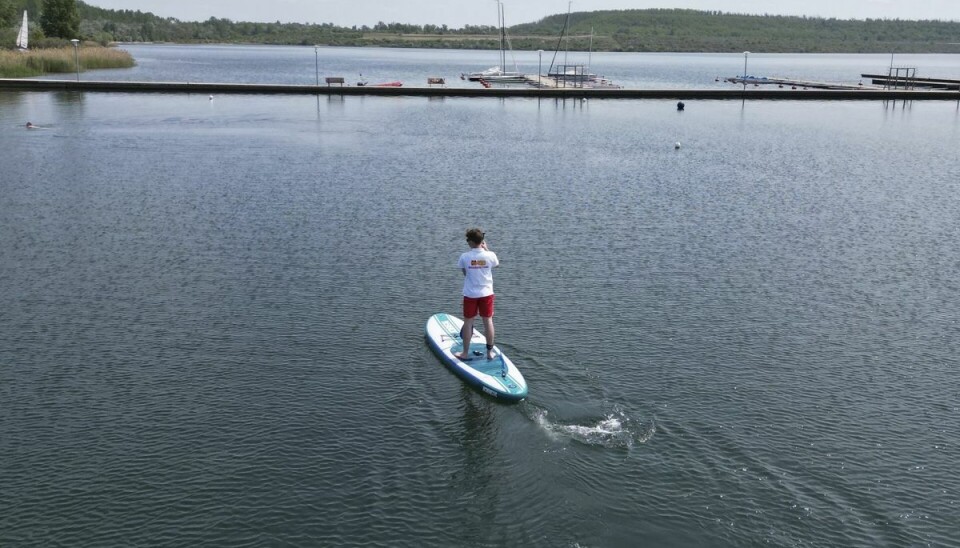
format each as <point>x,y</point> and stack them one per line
<point>498,377</point>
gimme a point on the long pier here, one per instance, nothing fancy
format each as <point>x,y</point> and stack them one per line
<point>503,92</point>
<point>794,83</point>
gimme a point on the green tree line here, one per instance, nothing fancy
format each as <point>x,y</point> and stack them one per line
<point>655,30</point>
<point>57,19</point>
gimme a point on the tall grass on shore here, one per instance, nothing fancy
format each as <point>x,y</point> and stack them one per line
<point>15,64</point>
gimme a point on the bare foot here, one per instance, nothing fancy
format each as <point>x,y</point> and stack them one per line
<point>461,357</point>
<point>489,355</point>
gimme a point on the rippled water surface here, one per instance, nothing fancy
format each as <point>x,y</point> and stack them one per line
<point>212,314</point>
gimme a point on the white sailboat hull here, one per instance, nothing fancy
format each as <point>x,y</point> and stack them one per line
<point>495,74</point>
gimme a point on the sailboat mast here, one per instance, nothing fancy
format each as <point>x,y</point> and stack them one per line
<point>567,44</point>
<point>563,33</point>
<point>503,38</point>
<point>590,51</point>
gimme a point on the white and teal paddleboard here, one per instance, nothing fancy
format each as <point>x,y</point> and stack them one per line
<point>497,377</point>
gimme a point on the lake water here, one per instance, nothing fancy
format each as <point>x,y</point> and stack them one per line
<point>212,311</point>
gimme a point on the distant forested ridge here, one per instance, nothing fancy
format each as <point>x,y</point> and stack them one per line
<point>674,30</point>
<point>654,30</point>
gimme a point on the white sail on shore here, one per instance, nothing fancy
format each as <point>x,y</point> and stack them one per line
<point>24,33</point>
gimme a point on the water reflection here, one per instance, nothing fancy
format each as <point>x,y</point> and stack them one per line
<point>478,481</point>
<point>477,440</point>
<point>892,105</point>
<point>11,98</point>
<point>70,97</point>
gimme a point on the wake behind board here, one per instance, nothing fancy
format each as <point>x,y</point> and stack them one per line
<point>497,377</point>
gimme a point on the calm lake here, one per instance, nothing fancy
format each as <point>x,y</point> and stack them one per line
<point>212,309</point>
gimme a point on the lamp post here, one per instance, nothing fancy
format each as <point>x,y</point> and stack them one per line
<point>745,54</point>
<point>76,55</point>
<point>316,62</point>
<point>539,68</point>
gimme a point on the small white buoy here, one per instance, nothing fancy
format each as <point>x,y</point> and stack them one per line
<point>211,97</point>
<point>676,145</point>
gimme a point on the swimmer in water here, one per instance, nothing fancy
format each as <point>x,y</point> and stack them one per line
<point>30,125</point>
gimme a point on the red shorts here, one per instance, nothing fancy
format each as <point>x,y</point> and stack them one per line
<point>481,305</point>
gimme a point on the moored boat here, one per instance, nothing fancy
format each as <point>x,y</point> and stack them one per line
<point>497,74</point>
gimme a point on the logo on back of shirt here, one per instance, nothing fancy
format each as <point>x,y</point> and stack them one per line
<point>477,263</point>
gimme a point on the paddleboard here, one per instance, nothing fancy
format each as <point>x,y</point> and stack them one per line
<point>497,377</point>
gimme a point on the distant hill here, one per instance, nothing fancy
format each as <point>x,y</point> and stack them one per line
<point>678,30</point>
<point>655,30</point>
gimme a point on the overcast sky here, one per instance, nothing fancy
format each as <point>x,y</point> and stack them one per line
<point>457,13</point>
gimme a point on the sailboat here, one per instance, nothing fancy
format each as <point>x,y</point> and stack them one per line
<point>24,34</point>
<point>576,75</point>
<point>497,74</point>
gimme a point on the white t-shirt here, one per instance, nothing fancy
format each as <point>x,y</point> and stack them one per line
<point>479,265</point>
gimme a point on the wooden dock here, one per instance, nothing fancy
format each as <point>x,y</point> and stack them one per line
<point>888,80</point>
<point>544,92</point>
<point>796,84</point>
<point>546,82</point>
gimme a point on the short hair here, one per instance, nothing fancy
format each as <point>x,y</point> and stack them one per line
<point>475,235</point>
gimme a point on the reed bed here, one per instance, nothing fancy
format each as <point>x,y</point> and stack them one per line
<point>16,64</point>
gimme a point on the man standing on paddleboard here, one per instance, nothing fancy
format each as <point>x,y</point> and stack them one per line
<point>477,266</point>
